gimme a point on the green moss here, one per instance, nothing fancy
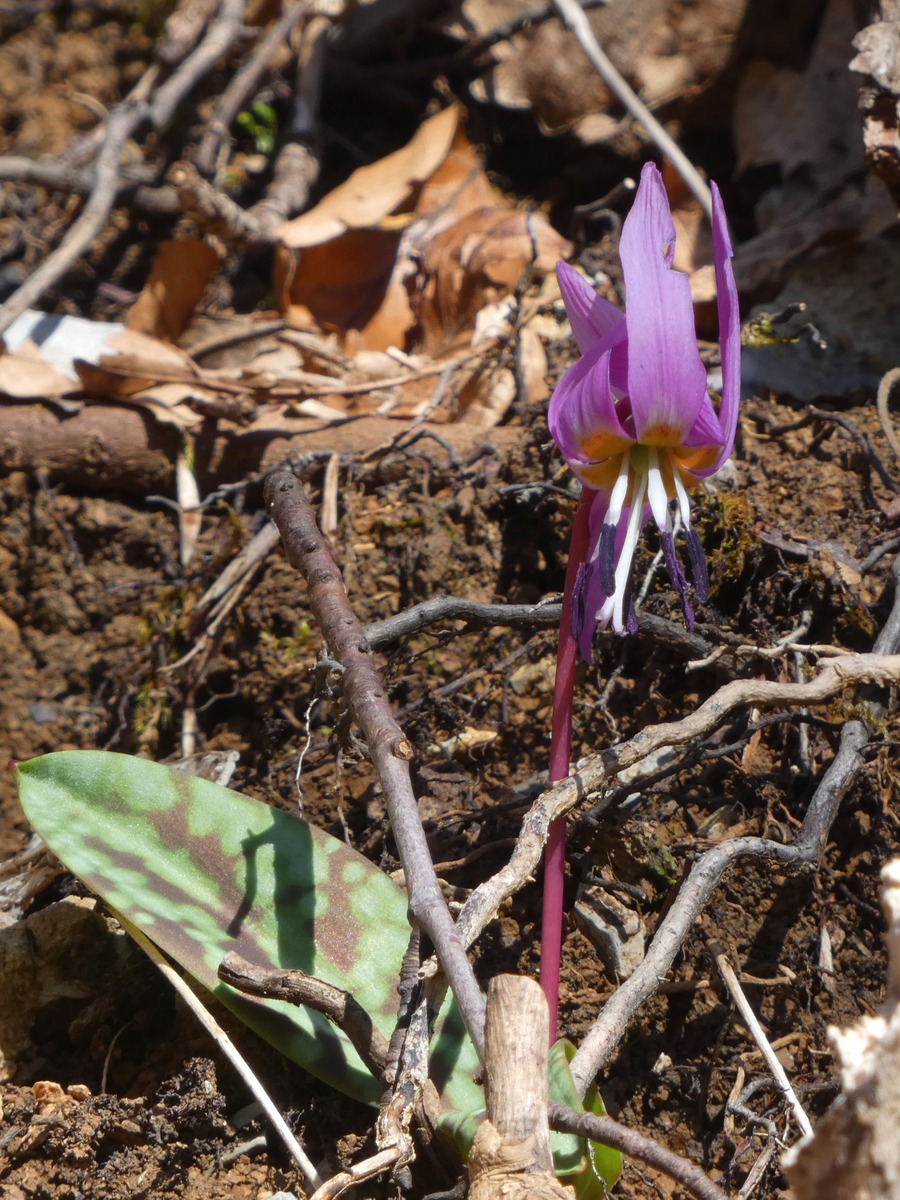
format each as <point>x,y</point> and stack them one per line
<point>661,863</point>
<point>732,526</point>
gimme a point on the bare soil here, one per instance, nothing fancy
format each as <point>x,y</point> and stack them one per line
<point>120,1095</point>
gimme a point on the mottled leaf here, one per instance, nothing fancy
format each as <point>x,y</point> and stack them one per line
<point>202,871</point>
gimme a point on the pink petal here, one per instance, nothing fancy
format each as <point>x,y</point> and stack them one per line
<point>706,430</point>
<point>582,406</point>
<point>666,379</point>
<point>590,316</point>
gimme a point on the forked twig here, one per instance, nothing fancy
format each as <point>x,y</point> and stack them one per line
<point>707,872</point>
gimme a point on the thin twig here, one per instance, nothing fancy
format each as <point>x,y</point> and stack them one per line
<point>245,82</point>
<point>574,17</point>
<point>391,751</point>
<point>123,124</point>
<point>634,1145</point>
<point>120,127</point>
<point>296,987</point>
<point>516,616</point>
<point>733,984</point>
<point>882,406</point>
<point>54,174</point>
<point>231,1052</point>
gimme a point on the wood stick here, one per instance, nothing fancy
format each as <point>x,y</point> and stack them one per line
<point>308,551</point>
<point>510,1157</point>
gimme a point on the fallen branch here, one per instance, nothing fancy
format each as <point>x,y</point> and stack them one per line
<point>121,448</point>
<point>391,752</point>
<point>635,1145</point>
<point>511,616</point>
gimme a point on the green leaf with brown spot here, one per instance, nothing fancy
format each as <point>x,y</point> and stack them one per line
<point>202,870</point>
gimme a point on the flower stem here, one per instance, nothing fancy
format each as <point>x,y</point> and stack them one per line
<point>560,756</point>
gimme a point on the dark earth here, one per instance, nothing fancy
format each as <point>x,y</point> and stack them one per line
<point>119,1093</point>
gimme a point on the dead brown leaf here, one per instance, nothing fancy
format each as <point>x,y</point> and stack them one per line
<point>26,375</point>
<point>472,263</point>
<point>377,191</point>
<point>180,272</point>
<point>414,276</point>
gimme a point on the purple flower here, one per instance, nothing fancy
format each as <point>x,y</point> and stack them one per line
<point>633,417</point>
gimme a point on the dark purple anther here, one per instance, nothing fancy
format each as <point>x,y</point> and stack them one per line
<point>699,573</point>
<point>606,560</point>
<point>579,598</point>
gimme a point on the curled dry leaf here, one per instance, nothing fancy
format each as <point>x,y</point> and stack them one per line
<point>180,272</point>
<point>410,249</point>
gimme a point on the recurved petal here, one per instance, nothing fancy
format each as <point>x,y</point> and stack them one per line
<point>729,326</point>
<point>666,379</point>
<point>590,316</point>
<point>582,415</point>
<point>707,428</point>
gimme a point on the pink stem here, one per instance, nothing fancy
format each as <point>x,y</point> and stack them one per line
<point>560,756</point>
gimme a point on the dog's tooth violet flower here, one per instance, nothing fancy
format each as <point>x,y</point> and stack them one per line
<point>633,417</point>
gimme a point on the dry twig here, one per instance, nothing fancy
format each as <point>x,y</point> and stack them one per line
<point>364,694</point>
<point>733,984</point>
<point>634,1145</point>
<point>574,17</point>
<point>228,1048</point>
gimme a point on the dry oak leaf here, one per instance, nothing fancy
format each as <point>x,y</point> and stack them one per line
<point>375,191</point>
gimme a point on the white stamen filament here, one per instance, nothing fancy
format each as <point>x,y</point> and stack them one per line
<point>614,607</point>
<point>618,493</point>
<point>684,503</point>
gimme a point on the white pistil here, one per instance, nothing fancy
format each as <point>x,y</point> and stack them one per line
<point>656,490</point>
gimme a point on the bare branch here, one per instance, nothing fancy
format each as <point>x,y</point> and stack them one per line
<point>707,872</point>
<point>309,552</point>
<point>296,987</point>
<point>634,1145</point>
